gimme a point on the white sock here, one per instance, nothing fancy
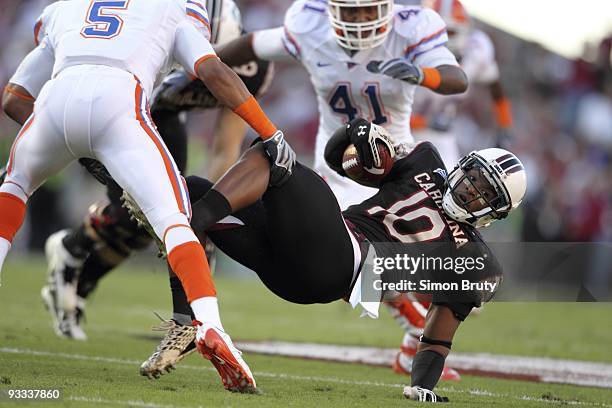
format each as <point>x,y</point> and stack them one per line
<point>206,310</point>
<point>4,248</point>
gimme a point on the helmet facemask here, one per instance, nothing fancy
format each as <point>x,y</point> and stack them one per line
<point>356,35</point>
<point>475,193</point>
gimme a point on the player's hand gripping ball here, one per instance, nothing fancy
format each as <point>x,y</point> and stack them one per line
<point>369,159</point>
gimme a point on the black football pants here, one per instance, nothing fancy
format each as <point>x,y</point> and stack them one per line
<point>294,238</point>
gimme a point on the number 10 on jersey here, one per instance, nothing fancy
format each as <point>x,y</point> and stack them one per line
<point>102,23</point>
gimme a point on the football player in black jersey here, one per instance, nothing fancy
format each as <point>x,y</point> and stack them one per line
<point>305,250</point>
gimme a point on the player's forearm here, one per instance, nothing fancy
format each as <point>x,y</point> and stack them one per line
<point>231,92</point>
<point>446,79</point>
<point>237,52</point>
<point>17,103</point>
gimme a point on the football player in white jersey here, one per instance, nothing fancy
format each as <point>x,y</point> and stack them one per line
<point>79,257</point>
<point>107,57</point>
<point>433,117</point>
<point>352,49</point>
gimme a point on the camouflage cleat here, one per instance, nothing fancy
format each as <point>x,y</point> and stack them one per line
<point>178,343</point>
<point>138,216</point>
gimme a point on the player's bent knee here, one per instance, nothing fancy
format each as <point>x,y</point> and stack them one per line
<point>161,222</point>
<point>178,234</point>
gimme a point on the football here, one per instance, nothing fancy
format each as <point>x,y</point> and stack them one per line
<point>370,177</point>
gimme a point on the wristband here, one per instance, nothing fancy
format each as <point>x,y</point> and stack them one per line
<point>431,78</point>
<point>252,114</point>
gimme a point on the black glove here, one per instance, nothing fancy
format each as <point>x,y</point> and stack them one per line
<point>2,174</point>
<point>358,131</point>
<point>366,137</point>
<point>282,158</point>
<point>397,68</point>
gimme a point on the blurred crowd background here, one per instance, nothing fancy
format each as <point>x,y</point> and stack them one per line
<point>562,112</point>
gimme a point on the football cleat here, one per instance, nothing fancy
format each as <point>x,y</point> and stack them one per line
<point>177,344</point>
<point>215,345</point>
<point>65,323</point>
<point>408,313</point>
<point>417,393</point>
<point>59,294</point>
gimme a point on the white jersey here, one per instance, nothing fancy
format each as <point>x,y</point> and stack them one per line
<point>345,88</point>
<point>143,37</point>
<point>37,67</point>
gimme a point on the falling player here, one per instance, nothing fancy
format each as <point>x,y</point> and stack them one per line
<point>106,60</point>
<point>305,250</point>
<point>363,58</point>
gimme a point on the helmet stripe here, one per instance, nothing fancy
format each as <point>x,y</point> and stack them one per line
<point>504,157</point>
<point>514,169</point>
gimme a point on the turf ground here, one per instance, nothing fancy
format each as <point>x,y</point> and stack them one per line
<point>104,370</point>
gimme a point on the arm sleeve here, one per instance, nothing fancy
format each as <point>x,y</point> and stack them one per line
<point>191,47</point>
<point>269,44</point>
<point>35,69</point>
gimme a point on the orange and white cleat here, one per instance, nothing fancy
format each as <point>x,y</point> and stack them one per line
<point>408,312</point>
<point>215,345</point>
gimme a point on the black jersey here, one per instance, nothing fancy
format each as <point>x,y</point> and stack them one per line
<point>180,91</point>
<point>408,206</point>
<point>408,210</point>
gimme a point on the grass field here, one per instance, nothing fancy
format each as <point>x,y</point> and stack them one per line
<point>104,370</point>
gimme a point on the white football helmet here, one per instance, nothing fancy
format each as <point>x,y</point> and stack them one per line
<point>503,171</point>
<point>364,34</point>
<point>457,23</point>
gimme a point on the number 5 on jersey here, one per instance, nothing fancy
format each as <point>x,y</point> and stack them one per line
<point>102,23</point>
